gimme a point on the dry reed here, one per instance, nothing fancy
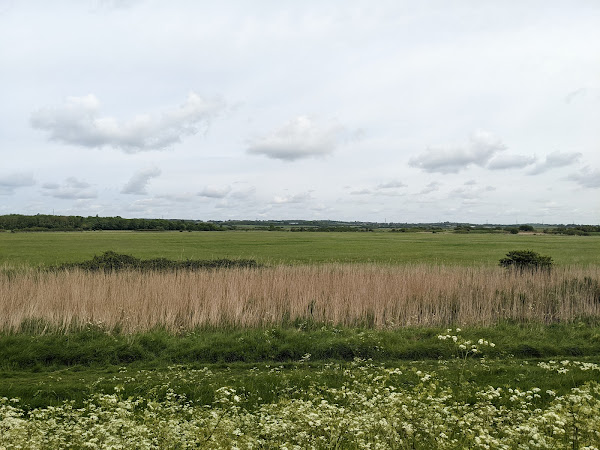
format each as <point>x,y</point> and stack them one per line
<point>371,295</point>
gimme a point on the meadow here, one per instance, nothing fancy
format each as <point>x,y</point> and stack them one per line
<point>280,247</point>
<point>338,340</point>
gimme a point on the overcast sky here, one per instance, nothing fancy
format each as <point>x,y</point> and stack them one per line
<point>404,111</point>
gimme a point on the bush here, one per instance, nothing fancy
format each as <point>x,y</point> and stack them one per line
<point>526,260</point>
<point>112,261</point>
<point>526,228</point>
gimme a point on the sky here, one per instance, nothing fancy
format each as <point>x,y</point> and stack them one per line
<point>386,111</point>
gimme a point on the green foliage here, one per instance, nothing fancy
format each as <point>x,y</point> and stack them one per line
<point>526,260</point>
<point>44,222</point>
<point>526,228</point>
<point>38,345</point>
<point>472,249</point>
<point>111,261</point>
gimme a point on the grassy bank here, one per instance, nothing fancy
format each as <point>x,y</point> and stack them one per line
<point>95,348</point>
<point>48,369</point>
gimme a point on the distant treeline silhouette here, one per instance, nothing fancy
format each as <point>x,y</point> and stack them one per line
<point>42,222</point>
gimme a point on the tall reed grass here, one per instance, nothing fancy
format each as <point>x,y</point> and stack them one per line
<point>349,295</point>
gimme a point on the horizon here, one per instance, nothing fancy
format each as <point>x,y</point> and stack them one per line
<point>300,221</point>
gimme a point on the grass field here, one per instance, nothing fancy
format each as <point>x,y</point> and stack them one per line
<point>322,354</point>
<point>297,248</point>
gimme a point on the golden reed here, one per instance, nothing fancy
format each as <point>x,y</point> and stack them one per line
<point>339,294</point>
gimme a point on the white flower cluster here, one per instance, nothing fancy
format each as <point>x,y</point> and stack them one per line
<point>375,407</point>
<point>465,347</point>
<point>566,365</point>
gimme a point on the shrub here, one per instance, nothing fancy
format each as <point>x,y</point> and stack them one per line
<point>526,228</point>
<point>526,260</point>
<point>112,261</point>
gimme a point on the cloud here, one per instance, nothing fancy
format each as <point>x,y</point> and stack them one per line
<point>78,122</point>
<point>243,194</point>
<point>481,148</point>
<point>240,200</point>
<point>577,93</point>
<point>299,138</point>
<point>362,192</point>
<point>510,162</point>
<point>555,160</point>
<point>109,5</point>
<point>587,178</point>
<point>10,182</point>
<point>471,192</point>
<point>214,191</point>
<point>139,181</point>
<point>184,197</point>
<point>72,188</point>
<point>431,187</point>
<point>391,185</point>
<point>298,198</point>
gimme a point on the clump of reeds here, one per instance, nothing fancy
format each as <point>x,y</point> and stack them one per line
<point>350,295</point>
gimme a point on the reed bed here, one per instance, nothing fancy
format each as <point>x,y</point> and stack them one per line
<point>337,294</point>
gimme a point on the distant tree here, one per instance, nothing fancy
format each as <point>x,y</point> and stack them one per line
<point>526,260</point>
<point>526,228</point>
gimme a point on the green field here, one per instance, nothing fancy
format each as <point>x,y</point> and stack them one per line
<point>297,248</point>
<point>303,384</point>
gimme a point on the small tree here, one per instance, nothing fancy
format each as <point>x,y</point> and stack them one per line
<point>526,228</point>
<point>526,260</point>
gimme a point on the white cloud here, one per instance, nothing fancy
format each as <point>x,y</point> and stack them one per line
<point>587,178</point>
<point>299,138</point>
<point>555,160</point>
<point>480,149</point>
<point>78,122</point>
<point>139,181</point>
<point>243,194</point>
<point>10,182</point>
<point>298,198</point>
<point>391,185</point>
<point>109,5</point>
<point>214,191</point>
<point>361,192</point>
<point>180,198</point>
<point>471,192</point>
<point>510,162</point>
<point>431,187</point>
<point>574,95</point>
<point>71,188</point>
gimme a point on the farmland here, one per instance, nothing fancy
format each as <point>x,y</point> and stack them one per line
<point>337,340</point>
<point>297,248</point>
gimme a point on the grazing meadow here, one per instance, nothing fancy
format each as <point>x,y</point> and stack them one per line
<point>332,340</point>
<point>279,247</point>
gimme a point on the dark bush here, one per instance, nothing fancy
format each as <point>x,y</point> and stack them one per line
<point>111,261</point>
<point>526,260</point>
<point>526,228</point>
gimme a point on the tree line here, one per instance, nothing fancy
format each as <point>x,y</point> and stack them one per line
<point>43,222</point>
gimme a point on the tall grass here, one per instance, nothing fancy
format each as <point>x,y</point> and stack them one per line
<point>349,295</point>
